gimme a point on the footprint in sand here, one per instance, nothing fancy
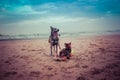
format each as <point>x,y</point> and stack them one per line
<point>117,57</point>
<point>116,73</point>
<point>112,65</point>
<point>95,71</point>
<point>24,57</point>
<point>8,62</point>
<point>101,49</point>
<point>23,49</point>
<point>93,45</point>
<point>81,78</point>
<point>7,74</point>
<point>35,73</point>
<point>15,56</point>
<point>65,70</point>
<point>50,68</point>
<point>84,66</point>
<point>103,79</point>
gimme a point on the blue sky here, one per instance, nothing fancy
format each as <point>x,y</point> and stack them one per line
<point>35,16</point>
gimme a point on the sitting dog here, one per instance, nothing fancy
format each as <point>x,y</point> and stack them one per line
<point>65,53</point>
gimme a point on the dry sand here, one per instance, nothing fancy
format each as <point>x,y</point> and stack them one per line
<point>95,58</point>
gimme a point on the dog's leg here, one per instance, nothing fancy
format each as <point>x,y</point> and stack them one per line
<point>56,50</point>
<point>51,49</point>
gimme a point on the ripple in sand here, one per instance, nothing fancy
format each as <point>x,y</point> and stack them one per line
<point>84,66</point>
<point>112,65</point>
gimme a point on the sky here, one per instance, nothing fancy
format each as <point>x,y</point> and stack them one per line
<point>36,16</point>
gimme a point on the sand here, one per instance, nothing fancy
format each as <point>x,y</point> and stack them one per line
<point>94,58</point>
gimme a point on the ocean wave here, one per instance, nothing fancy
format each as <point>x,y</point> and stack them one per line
<point>64,34</point>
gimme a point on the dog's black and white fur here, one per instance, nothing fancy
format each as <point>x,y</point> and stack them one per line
<point>54,40</point>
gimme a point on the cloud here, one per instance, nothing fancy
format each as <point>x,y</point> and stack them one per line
<point>73,14</point>
<point>64,23</point>
<point>3,9</point>
<point>48,6</point>
<point>20,13</point>
<point>89,7</point>
<point>26,9</point>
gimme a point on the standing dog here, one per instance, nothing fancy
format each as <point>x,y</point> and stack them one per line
<point>54,40</point>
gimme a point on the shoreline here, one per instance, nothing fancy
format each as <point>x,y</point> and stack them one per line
<point>44,38</point>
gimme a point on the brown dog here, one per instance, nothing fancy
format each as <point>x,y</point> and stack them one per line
<point>65,53</point>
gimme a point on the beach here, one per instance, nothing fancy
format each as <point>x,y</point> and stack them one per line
<point>94,58</point>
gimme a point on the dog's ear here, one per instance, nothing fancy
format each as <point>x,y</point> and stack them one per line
<point>70,43</point>
<point>65,43</point>
<point>57,30</point>
<point>51,27</point>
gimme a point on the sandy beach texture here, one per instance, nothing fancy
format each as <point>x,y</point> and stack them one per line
<point>95,58</point>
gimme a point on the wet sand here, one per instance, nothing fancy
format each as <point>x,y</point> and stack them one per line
<point>94,58</point>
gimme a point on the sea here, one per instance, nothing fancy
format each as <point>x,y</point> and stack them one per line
<point>64,34</point>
